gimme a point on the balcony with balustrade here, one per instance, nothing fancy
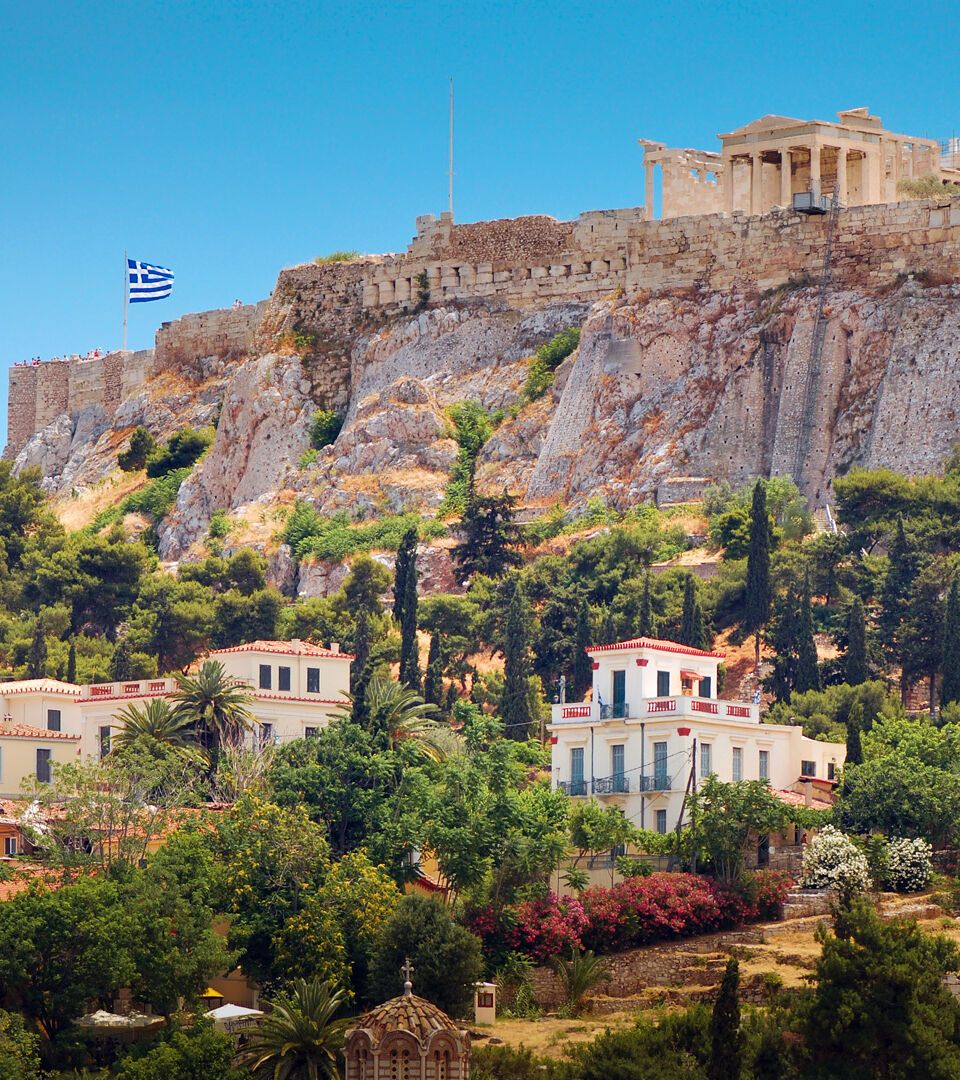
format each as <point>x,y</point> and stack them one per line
<point>130,688</point>
<point>680,706</point>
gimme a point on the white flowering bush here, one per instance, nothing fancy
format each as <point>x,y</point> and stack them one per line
<point>832,861</point>
<point>909,865</point>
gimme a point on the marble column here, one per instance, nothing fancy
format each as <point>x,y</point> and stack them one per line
<point>842,175</point>
<point>786,183</point>
<point>815,170</point>
<point>915,162</point>
<point>728,183</point>
<point>756,183</point>
<point>648,190</point>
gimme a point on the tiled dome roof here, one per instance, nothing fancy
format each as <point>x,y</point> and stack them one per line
<point>408,1013</point>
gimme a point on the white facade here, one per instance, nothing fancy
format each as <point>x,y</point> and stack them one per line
<point>296,689</point>
<point>654,714</point>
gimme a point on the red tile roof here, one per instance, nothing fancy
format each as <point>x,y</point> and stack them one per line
<point>25,731</point>
<point>38,686</point>
<point>285,648</point>
<point>654,643</point>
<point>793,798</point>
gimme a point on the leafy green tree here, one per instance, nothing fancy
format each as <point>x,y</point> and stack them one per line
<point>879,1009</point>
<point>490,536</point>
<point>409,644</point>
<point>196,1053</point>
<point>757,599</point>
<point>692,629</point>
<point>172,620</point>
<point>238,618</point>
<point>19,1049</point>
<point>215,704</point>
<point>515,708</point>
<point>595,829</point>
<point>300,1038</point>
<point>725,818</point>
<point>855,657</point>
<point>142,444</point>
<point>950,687</point>
<point>899,796</point>
<point>446,957</point>
<point>367,582</point>
<point>726,1040</point>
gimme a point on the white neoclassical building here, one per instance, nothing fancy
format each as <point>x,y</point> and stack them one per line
<point>296,688</point>
<point>655,726</point>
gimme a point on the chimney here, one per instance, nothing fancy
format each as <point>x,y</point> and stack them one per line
<point>297,644</point>
<point>335,647</point>
<point>807,790</point>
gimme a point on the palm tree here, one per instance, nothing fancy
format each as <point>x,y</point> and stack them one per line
<point>582,972</point>
<point>300,1039</point>
<point>155,720</point>
<point>215,704</point>
<point>403,714</point>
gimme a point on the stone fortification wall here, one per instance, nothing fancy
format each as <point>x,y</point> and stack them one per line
<point>227,334</point>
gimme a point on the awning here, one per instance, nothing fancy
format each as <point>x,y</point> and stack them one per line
<point>691,674</point>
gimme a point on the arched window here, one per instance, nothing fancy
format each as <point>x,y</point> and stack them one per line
<point>442,1064</point>
<point>399,1064</point>
<point>360,1064</point>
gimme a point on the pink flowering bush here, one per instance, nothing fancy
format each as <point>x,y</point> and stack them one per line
<point>637,911</point>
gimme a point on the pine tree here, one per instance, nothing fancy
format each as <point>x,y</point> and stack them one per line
<point>808,673</point>
<point>855,658</point>
<point>37,658</point>
<point>950,687</point>
<point>582,666</point>
<point>409,645</point>
<point>490,535</point>
<point>757,599</point>
<point>692,630</point>
<point>121,663</point>
<point>646,626</point>
<point>854,731</point>
<point>72,662</point>
<point>726,1040</point>
<point>515,704</point>
<point>406,556</point>
<point>433,683</point>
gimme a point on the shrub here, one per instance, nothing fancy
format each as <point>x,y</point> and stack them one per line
<point>183,448</point>
<point>308,458</point>
<point>541,368</point>
<point>219,524</point>
<point>909,865</point>
<point>142,445</point>
<point>833,861</point>
<point>547,927</point>
<point>311,534</point>
<point>324,428</point>
<point>155,498</point>
<point>471,426</point>
<point>348,255</point>
<point>766,891</point>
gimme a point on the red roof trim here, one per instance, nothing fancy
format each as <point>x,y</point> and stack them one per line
<point>125,697</point>
<point>654,643</point>
<point>285,648</point>
<point>313,700</point>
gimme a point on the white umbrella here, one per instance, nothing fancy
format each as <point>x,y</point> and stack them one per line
<point>233,1017</point>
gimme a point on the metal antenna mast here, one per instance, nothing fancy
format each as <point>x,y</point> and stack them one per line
<point>450,194</point>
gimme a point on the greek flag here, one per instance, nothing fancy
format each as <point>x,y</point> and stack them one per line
<point>148,282</point>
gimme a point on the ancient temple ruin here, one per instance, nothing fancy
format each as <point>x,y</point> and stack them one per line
<point>765,163</point>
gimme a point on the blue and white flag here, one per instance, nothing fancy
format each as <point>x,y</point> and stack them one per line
<point>148,282</point>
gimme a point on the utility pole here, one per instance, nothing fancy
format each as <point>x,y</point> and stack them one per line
<point>450,175</point>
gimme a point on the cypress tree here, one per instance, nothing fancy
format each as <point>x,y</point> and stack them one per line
<point>433,683</point>
<point>692,630</point>
<point>121,663</point>
<point>37,658</point>
<point>361,669</point>
<point>901,571</point>
<point>855,658</point>
<point>72,662</point>
<point>726,1040</point>
<point>406,555</point>
<point>515,704</point>
<point>646,627</point>
<point>950,687</point>
<point>757,599</point>
<point>808,673</point>
<point>409,646</point>
<point>451,698</point>
<point>582,667</point>
<point>854,731</point>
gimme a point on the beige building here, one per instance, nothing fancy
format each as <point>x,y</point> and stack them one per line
<point>28,753</point>
<point>297,688</point>
<point>767,162</point>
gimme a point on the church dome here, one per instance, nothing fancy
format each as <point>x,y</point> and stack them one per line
<point>408,1013</point>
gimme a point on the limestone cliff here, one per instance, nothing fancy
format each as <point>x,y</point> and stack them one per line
<point>693,362</point>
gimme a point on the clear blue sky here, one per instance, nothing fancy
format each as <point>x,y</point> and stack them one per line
<point>227,140</point>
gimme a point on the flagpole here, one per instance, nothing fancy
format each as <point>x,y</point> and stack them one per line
<point>126,289</point>
<point>450,193</point>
